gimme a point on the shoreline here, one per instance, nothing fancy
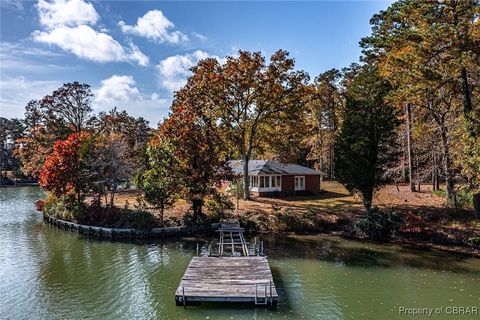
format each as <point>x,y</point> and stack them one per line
<point>15,185</point>
<point>114,234</point>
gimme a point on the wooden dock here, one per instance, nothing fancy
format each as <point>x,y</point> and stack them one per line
<point>227,279</point>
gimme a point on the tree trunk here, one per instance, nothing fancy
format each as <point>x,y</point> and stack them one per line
<point>332,161</point>
<point>99,199</point>
<point>409,147</point>
<point>404,156</point>
<point>467,100</point>
<point>434,172</point>
<point>162,208</point>
<point>246,182</point>
<point>367,202</point>
<point>112,196</point>
<point>238,200</point>
<point>447,166</point>
<point>79,198</point>
<point>197,207</point>
<point>476,204</point>
<point>418,174</point>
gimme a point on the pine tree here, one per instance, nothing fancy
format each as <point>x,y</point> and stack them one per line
<point>366,144</point>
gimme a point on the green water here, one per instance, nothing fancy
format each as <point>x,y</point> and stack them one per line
<point>46,273</point>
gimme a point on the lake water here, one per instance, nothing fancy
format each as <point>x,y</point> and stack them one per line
<point>46,273</point>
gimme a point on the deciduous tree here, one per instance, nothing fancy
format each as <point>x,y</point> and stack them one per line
<point>62,171</point>
<point>160,183</point>
<point>195,135</point>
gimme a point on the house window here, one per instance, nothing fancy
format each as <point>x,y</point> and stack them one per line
<point>255,181</point>
<point>276,181</point>
<point>299,183</point>
<point>264,182</point>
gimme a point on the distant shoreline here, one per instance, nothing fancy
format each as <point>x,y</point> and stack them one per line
<point>33,184</point>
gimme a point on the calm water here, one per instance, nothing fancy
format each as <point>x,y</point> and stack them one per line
<point>46,273</point>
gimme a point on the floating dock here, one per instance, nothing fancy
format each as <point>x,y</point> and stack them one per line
<point>227,279</point>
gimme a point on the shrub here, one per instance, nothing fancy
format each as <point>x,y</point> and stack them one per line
<point>379,225</point>
<point>39,204</point>
<point>464,199</point>
<point>474,242</point>
<point>298,222</point>
<point>62,208</point>
<point>217,205</point>
<point>191,219</point>
<point>141,220</point>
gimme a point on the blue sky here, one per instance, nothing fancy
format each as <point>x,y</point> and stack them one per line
<point>135,54</point>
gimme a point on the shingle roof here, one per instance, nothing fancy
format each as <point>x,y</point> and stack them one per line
<point>258,167</point>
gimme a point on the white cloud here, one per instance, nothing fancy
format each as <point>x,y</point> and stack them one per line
<point>15,93</point>
<point>57,13</point>
<point>12,4</point>
<point>121,91</point>
<point>154,25</point>
<point>117,90</point>
<point>85,42</point>
<point>200,37</point>
<point>174,70</point>
<point>67,25</point>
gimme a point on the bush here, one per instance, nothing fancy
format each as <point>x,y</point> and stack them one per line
<point>464,199</point>
<point>39,204</point>
<point>217,205</point>
<point>307,222</point>
<point>110,217</point>
<point>141,220</point>
<point>190,219</point>
<point>62,208</point>
<point>379,225</point>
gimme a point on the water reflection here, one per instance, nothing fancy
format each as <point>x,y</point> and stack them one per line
<point>46,273</point>
<point>366,254</point>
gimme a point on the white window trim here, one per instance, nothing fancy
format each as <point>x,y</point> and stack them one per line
<point>300,188</point>
<point>269,189</point>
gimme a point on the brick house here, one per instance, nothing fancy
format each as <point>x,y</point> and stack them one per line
<point>272,178</point>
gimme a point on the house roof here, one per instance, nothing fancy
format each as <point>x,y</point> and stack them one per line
<point>260,167</point>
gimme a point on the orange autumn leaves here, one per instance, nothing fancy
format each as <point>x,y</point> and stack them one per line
<point>62,168</point>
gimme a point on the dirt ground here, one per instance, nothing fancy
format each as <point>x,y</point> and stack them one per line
<point>427,219</point>
<point>334,199</point>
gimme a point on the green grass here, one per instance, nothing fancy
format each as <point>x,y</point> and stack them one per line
<point>439,193</point>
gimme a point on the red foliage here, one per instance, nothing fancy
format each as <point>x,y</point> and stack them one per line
<point>60,173</point>
<point>39,204</point>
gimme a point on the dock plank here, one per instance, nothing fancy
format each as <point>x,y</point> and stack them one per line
<point>227,279</point>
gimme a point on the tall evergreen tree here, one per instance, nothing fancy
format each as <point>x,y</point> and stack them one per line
<point>366,144</point>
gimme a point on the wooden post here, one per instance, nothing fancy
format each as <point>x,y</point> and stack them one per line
<point>183,297</point>
<point>198,249</point>
<point>271,295</point>
<point>261,248</point>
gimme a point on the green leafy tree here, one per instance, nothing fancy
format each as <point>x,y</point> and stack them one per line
<point>194,133</point>
<point>366,143</point>
<point>160,182</point>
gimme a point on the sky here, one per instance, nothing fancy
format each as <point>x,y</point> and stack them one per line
<point>135,54</point>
